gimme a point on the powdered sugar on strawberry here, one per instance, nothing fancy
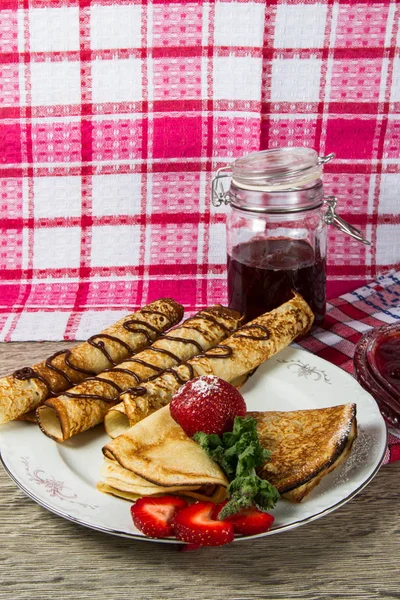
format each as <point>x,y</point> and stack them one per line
<point>208,404</point>
<point>205,384</point>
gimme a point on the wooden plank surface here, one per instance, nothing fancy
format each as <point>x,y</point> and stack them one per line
<point>351,553</point>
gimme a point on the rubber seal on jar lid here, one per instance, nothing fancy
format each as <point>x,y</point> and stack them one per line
<point>377,368</point>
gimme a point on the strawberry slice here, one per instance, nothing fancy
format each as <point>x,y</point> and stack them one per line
<point>249,521</point>
<point>195,525</point>
<point>153,515</point>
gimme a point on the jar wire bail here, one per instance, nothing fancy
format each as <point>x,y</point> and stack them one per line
<point>322,160</point>
<point>332,218</point>
<point>218,194</point>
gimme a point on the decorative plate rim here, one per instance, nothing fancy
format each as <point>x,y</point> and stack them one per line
<point>135,536</point>
<point>29,491</point>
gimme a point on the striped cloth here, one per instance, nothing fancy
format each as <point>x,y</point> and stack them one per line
<point>114,115</point>
<point>348,317</point>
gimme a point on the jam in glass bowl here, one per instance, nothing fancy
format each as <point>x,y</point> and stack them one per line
<point>377,368</point>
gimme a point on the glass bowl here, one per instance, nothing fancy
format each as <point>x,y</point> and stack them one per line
<point>377,368</point>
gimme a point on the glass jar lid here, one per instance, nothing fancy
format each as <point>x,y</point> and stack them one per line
<point>282,180</point>
<point>278,180</point>
<point>278,169</point>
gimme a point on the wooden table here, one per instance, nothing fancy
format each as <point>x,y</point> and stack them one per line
<point>352,553</point>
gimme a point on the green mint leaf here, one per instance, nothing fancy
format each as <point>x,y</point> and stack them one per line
<point>248,485</point>
<point>246,491</point>
<point>241,492</point>
<point>241,427</point>
<point>234,505</point>
<point>247,460</point>
<point>207,440</point>
<point>239,453</point>
<point>267,496</point>
<point>212,444</point>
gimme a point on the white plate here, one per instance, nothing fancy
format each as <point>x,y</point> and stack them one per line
<point>63,477</point>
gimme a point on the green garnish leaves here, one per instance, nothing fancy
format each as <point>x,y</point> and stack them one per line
<point>214,447</point>
<point>239,453</point>
<point>246,491</point>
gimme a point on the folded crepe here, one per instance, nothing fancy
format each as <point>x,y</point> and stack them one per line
<point>305,446</point>
<point>85,405</point>
<point>29,387</point>
<point>157,457</point>
<point>239,354</point>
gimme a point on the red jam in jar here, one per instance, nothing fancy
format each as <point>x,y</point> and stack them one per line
<point>277,229</point>
<point>264,273</point>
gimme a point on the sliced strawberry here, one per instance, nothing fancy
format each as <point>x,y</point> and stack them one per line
<point>218,508</point>
<point>248,521</point>
<point>195,525</point>
<point>153,515</point>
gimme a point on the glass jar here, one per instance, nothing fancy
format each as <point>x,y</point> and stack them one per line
<point>277,229</point>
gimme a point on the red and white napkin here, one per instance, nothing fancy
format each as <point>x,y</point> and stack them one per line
<point>115,114</point>
<point>348,317</point>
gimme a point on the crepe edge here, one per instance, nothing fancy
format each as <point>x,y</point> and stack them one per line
<point>341,451</point>
<point>46,414</point>
<point>207,479</point>
<point>298,492</point>
<point>218,495</point>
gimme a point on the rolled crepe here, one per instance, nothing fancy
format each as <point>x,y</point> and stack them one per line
<point>157,457</point>
<point>242,352</point>
<point>29,387</point>
<point>85,405</point>
<point>116,420</point>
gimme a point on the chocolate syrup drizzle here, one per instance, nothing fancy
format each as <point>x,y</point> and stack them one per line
<point>250,327</point>
<point>97,342</point>
<point>95,396</point>
<point>29,373</point>
<point>141,390</point>
<point>226,353</point>
<point>132,325</point>
<point>127,326</point>
<point>179,378</point>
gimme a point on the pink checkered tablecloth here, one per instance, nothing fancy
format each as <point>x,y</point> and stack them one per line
<point>348,318</point>
<point>114,114</point>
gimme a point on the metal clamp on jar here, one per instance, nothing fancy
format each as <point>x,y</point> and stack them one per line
<point>277,229</point>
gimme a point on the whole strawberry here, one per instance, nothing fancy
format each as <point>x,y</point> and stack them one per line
<point>207,404</point>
